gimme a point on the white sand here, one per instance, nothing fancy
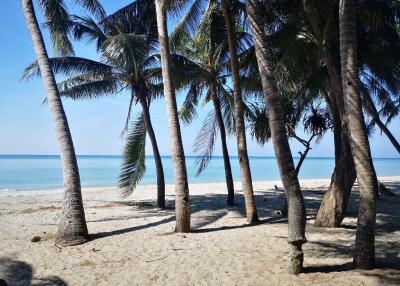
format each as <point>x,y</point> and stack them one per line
<point>137,245</point>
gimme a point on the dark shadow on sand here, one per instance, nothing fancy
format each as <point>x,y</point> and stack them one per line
<point>18,273</point>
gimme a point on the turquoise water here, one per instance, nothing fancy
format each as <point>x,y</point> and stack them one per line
<point>44,172</point>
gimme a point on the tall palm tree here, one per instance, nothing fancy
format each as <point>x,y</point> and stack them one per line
<point>189,23</point>
<point>364,256</point>
<point>205,61</point>
<point>182,204</point>
<point>126,39</point>
<point>247,183</point>
<point>127,64</point>
<point>296,207</point>
<point>72,227</point>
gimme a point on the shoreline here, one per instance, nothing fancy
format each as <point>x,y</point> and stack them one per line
<point>277,182</point>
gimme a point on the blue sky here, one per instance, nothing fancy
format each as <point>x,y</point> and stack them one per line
<point>26,127</point>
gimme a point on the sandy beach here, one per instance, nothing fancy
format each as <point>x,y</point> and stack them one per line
<point>134,243</point>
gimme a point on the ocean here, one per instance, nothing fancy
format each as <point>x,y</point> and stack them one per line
<point>32,172</point>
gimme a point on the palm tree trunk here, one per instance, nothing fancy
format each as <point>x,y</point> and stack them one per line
<point>72,227</point>
<point>247,184</point>
<point>296,207</point>
<point>364,256</point>
<point>332,210</point>
<point>182,204</point>
<point>333,207</point>
<point>303,156</point>
<point>156,152</point>
<point>225,153</point>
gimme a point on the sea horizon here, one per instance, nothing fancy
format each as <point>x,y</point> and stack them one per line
<point>166,156</point>
<point>38,172</point>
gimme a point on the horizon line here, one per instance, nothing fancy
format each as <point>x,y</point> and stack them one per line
<point>232,156</point>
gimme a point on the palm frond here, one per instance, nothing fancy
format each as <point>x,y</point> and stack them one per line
<point>137,18</point>
<point>69,66</point>
<point>190,22</point>
<point>155,91</point>
<point>58,21</point>
<point>87,28</point>
<point>227,106</point>
<point>188,111</point>
<point>317,122</point>
<point>133,165</point>
<point>128,116</point>
<point>258,123</point>
<point>92,6</point>
<point>205,142</point>
<point>126,51</point>
<point>92,89</point>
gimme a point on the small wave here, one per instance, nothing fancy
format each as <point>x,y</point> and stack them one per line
<point>7,190</point>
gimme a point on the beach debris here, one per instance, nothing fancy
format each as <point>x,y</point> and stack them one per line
<point>161,258</point>
<point>36,238</point>
<point>94,250</point>
<point>57,249</point>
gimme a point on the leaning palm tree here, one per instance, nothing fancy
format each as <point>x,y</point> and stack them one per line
<point>364,256</point>
<point>296,207</point>
<point>333,206</point>
<point>72,228</point>
<point>127,64</point>
<point>182,204</point>
<point>201,63</point>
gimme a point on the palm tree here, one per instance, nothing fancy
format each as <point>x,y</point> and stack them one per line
<point>127,64</point>
<point>189,23</point>
<point>72,227</point>
<point>203,60</point>
<point>378,55</point>
<point>132,30</point>
<point>296,207</point>
<point>247,183</point>
<point>364,256</point>
<point>182,204</point>
<point>333,206</point>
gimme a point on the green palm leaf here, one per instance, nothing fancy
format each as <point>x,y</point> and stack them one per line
<point>188,111</point>
<point>92,89</point>
<point>58,22</point>
<point>205,142</point>
<point>133,164</point>
<point>69,66</point>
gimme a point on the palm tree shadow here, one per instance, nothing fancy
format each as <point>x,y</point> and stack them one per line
<point>131,229</point>
<point>329,268</point>
<point>14,272</point>
<point>206,209</point>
